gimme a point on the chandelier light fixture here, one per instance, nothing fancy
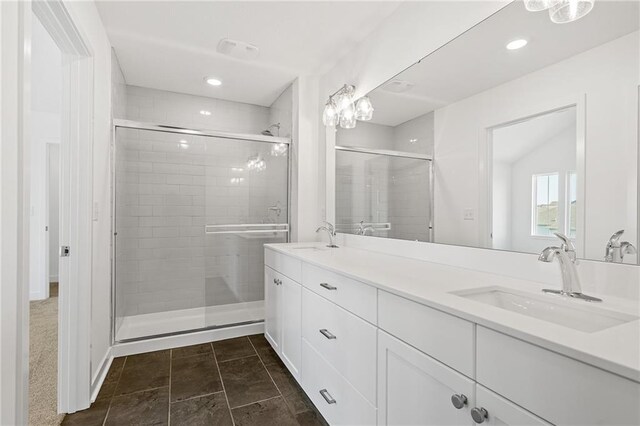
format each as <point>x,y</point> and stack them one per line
<point>341,109</point>
<point>561,11</point>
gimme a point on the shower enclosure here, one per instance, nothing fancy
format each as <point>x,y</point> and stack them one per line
<point>192,211</point>
<point>384,193</point>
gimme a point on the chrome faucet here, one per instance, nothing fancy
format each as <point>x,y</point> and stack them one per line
<point>331,231</point>
<point>616,250</point>
<point>362,229</point>
<point>566,255</point>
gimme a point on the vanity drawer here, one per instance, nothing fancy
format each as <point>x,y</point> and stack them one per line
<point>348,342</point>
<point>286,265</point>
<point>558,389</point>
<point>348,406</point>
<point>447,338</point>
<point>354,296</point>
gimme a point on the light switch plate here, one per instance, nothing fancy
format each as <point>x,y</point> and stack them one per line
<point>468,214</point>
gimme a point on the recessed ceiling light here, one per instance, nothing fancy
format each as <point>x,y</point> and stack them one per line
<point>212,81</point>
<point>517,44</point>
<point>205,112</point>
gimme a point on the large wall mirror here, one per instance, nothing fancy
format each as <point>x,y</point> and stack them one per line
<point>487,145</point>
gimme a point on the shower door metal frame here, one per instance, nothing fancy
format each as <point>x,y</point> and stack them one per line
<point>140,125</point>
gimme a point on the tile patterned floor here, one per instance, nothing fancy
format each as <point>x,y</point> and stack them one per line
<point>239,382</point>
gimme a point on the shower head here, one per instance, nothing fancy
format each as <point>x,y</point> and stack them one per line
<point>268,132</point>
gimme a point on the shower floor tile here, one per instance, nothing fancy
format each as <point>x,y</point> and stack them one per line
<point>237,381</point>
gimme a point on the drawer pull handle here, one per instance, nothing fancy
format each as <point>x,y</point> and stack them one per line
<point>327,334</point>
<point>327,397</point>
<point>479,415</point>
<point>328,286</point>
<point>459,401</point>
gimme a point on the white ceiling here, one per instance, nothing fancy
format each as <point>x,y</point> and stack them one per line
<point>171,45</point>
<point>478,60</point>
<point>512,142</point>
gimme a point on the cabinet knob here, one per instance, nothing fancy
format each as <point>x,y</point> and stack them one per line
<point>479,415</point>
<point>275,281</point>
<point>459,401</point>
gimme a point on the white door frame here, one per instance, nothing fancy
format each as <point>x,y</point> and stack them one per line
<point>485,196</point>
<point>74,365</point>
<point>76,155</point>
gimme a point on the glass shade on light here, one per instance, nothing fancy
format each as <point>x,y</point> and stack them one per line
<point>565,11</point>
<point>538,5</point>
<point>330,114</point>
<point>364,109</point>
<point>348,117</point>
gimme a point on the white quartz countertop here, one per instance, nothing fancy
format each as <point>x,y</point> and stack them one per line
<point>615,349</point>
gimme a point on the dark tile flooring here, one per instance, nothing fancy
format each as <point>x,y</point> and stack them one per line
<point>238,382</point>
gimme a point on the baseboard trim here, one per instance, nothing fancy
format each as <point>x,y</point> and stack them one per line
<point>195,338</point>
<point>98,379</point>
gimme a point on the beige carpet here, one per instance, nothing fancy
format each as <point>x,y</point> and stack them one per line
<point>43,363</point>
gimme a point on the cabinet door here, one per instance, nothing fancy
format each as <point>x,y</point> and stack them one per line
<point>415,389</point>
<point>291,342</point>
<point>272,303</point>
<point>500,411</point>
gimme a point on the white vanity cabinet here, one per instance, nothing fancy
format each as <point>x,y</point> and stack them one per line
<point>366,356</point>
<point>498,411</point>
<point>283,309</point>
<point>415,389</point>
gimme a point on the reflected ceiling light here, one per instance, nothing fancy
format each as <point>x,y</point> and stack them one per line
<point>413,140</point>
<point>205,112</point>
<point>517,44</point>
<point>364,109</point>
<point>184,144</point>
<point>566,11</point>
<point>341,108</point>
<point>538,5</point>
<point>256,163</point>
<point>279,149</point>
<point>212,81</point>
<point>561,11</point>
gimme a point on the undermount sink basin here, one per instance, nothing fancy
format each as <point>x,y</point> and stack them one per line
<point>311,248</point>
<point>566,313</point>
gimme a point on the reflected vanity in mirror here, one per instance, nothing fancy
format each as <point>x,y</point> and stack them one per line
<point>493,144</point>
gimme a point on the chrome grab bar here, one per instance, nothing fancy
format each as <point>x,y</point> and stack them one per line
<point>327,396</point>
<point>326,333</point>
<point>377,226</point>
<point>247,228</point>
<point>328,286</point>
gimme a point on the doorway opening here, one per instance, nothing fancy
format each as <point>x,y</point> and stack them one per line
<point>534,181</point>
<point>44,282</point>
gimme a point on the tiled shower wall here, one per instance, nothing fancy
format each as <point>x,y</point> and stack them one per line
<point>167,190</point>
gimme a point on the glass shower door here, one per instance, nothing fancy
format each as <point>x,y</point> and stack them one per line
<point>192,213</point>
<point>246,206</point>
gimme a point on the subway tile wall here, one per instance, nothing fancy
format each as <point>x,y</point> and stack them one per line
<point>169,186</point>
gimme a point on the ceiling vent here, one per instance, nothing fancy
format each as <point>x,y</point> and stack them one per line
<point>238,49</point>
<point>398,86</point>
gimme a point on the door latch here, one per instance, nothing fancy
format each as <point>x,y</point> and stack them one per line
<point>64,251</point>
